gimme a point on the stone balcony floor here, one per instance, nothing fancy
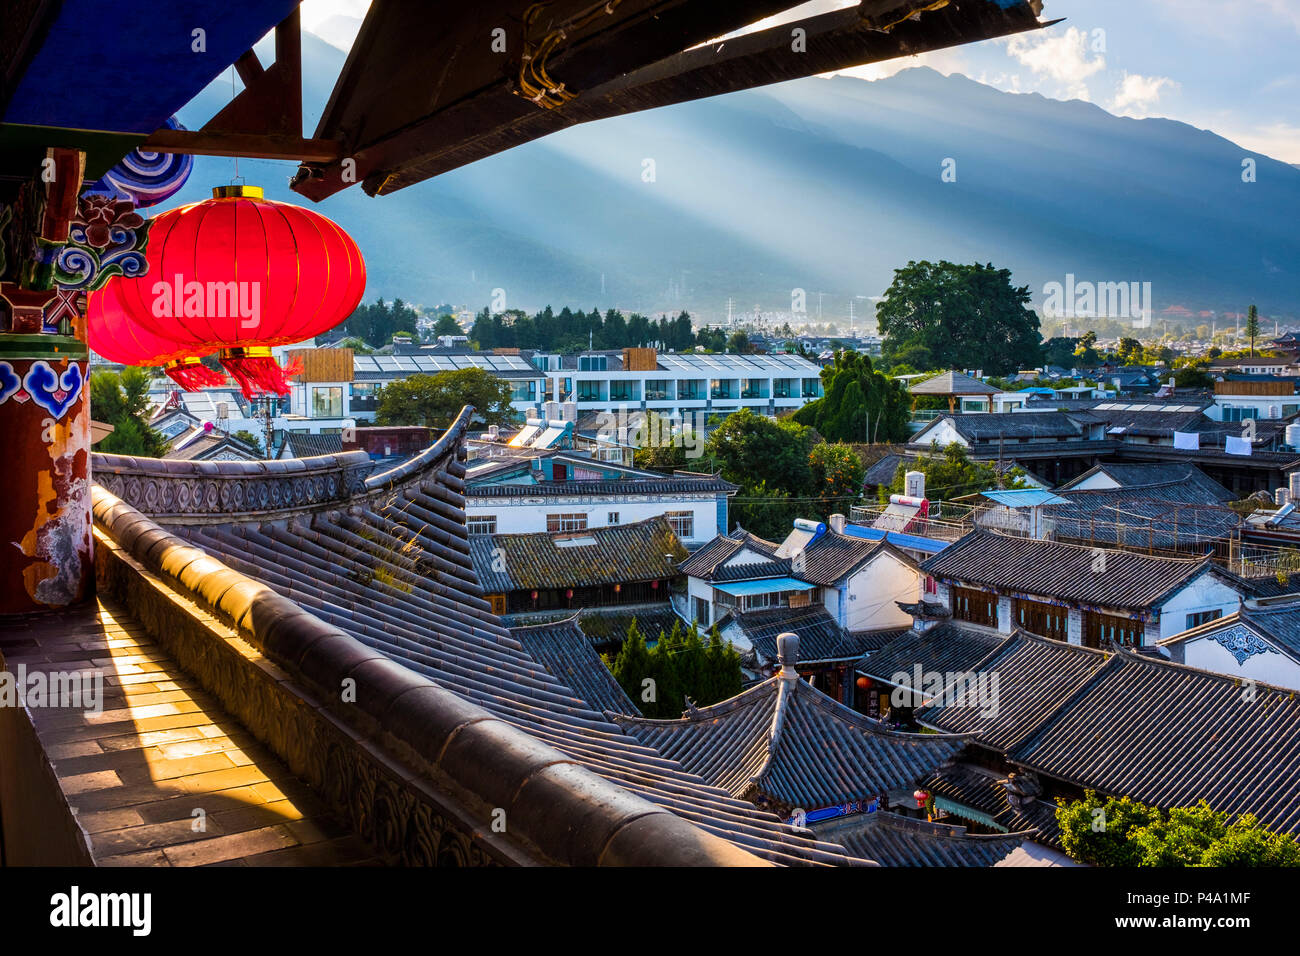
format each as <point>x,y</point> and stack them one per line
<point>163,776</point>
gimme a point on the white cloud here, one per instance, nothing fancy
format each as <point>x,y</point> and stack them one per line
<point>1138,94</point>
<point>1062,58</point>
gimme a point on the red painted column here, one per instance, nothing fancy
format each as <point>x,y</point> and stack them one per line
<point>45,523</point>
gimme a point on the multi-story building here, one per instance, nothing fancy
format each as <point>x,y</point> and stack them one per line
<point>681,383</point>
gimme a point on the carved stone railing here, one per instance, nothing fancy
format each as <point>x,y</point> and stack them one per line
<point>223,491</point>
<point>424,776</point>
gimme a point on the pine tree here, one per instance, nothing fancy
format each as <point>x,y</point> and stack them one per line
<point>1252,327</point>
<point>632,666</point>
<point>723,668</point>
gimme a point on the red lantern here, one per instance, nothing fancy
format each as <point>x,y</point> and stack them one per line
<point>654,585</point>
<point>920,796</point>
<point>241,273</point>
<point>569,593</point>
<point>864,683</point>
<point>617,588</point>
<point>534,595</point>
<point>112,334</point>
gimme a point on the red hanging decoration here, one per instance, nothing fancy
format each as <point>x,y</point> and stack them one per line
<point>240,273</point>
<point>191,374</point>
<point>113,335</point>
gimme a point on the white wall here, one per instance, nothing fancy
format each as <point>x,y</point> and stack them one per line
<point>1271,668</point>
<point>1095,482</point>
<point>871,594</point>
<point>1204,593</point>
<point>528,514</point>
<point>942,432</point>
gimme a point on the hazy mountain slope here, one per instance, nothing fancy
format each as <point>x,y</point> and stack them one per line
<point>824,185</point>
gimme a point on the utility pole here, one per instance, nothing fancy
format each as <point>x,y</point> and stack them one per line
<point>267,400</point>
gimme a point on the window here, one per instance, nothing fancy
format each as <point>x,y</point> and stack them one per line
<point>812,387</point>
<point>593,363</point>
<point>1238,413</point>
<point>327,402</point>
<point>524,392</point>
<point>702,611</point>
<point>720,388</point>
<point>481,524</point>
<point>588,391</point>
<point>785,388</point>
<point>682,523</point>
<point>1045,620</point>
<point>498,603</point>
<point>931,585</point>
<point>566,522</point>
<point>690,389</point>
<point>753,388</point>
<point>656,390</point>
<point>1203,617</point>
<point>622,391</point>
<point>977,607</point>
<point>613,518</point>
<point>1099,628</point>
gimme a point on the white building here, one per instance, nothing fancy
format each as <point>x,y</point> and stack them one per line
<point>1260,642</point>
<point>561,491</point>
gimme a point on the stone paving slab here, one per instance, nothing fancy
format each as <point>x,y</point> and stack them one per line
<point>162,775</point>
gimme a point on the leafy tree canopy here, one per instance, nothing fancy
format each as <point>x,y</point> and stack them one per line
<point>965,315</point>
<point>1111,831</point>
<point>123,402</point>
<point>858,403</point>
<point>950,473</point>
<point>435,400</point>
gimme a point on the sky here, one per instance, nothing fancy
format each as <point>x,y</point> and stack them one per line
<point>1230,66</point>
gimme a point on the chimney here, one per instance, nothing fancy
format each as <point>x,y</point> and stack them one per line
<point>914,484</point>
<point>787,652</point>
<point>837,523</point>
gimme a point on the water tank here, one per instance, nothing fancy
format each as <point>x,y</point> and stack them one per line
<point>1293,481</point>
<point>1293,435</point>
<point>1281,496</point>
<point>914,484</point>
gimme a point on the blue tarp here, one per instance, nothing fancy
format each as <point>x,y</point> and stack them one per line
<point>768,586</point>
<point>1024,497</point>
<point>898,539</point>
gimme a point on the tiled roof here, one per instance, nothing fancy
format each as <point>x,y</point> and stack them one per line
<point>1167,515</point>
<point>820,637</point>
<point>613,486</point>
<point>1066,571</point>
<point>943,648</point>
<point>787,742</point>
<point>985,426</point>
<point>953,383</point>
<point>393,570</point>
<point>1160,474</point>
<point>891,839</point>
<point>705,561</point>
<point>642,551</point>
<point>1159,732</point>
<point>1034,674</point>
<point>568,654</point>
<point>832,557</point>
<point>984,793</point>
<point>309,446</point>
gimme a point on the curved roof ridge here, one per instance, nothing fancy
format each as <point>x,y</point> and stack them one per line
<point>448,442</point>
<point>784,694</point>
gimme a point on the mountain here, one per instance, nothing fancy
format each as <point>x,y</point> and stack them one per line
<point>825,185</point>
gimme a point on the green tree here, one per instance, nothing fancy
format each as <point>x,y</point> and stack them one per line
<point>858,404</point>
<point>435,400</point>
<point>1252,327</point>
<point>725,678</point>
<point>1086,352</point>
<point>1097,829</point>
<point>632,665</point>
<point>1193,375</point>
<point>447,325</point>
<point>837,474</point>
<point>1124,832</point>
<point>248,438</point>
<point>752,449</point>
<point>656,448</point>
<point>123,402</point>
<point>965,315</point>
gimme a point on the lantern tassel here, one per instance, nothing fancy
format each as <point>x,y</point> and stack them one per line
<point>257,371</point>
<point>191,374</point>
